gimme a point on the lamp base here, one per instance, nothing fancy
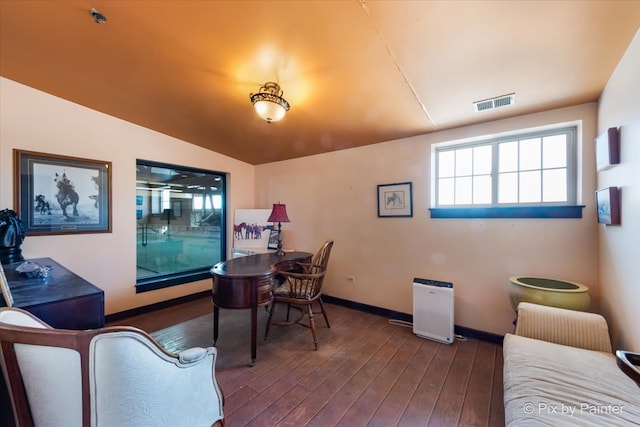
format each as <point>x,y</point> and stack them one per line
<point>280,252</point>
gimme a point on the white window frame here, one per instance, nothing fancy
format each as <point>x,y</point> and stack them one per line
<point>494,208</point>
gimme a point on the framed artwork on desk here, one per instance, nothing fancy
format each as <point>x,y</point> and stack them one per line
<point>273,239</point>
<point>251,228</point>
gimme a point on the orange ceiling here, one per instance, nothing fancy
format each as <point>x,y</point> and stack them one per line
<point>354,72</point>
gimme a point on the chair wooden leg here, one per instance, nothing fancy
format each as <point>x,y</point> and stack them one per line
<point>312,325</point>
<point>266,332</point>
<point>324,313</point>
<point>288,311</point>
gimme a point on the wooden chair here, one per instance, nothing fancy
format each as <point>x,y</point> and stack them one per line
<point>115,376</point>
<point>299,291</point>
<point>321,258</point>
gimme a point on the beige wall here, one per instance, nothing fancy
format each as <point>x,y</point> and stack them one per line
<point>334,196</point>
<point>620,245</point>
<point>328,196</point>
<point>33,120</point>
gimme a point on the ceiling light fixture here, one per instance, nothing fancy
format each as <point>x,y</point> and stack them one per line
<point>269,103</point>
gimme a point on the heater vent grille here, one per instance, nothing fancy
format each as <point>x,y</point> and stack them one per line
<point>499,101</point>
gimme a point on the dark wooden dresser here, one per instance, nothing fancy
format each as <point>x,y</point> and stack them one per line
<point>64,300</point>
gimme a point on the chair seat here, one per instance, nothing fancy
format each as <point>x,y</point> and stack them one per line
<point>285,290</point>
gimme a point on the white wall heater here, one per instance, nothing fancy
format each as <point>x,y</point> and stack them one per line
<point>433,310</point>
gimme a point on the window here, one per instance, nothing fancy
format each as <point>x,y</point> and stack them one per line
<point>527,175</point>
<point>180,233</point>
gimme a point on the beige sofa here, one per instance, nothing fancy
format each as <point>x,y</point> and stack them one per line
<point>559,370</point>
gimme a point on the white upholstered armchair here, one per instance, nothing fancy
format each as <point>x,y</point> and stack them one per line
<point>114,376</point>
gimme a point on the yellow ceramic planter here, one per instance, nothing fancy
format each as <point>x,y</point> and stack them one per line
<point>547,291</point>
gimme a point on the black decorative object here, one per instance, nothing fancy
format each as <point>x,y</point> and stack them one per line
<point>11,237</point>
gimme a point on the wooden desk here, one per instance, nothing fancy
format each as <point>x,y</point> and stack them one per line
<point>247,282</point>
<point>64,300</point>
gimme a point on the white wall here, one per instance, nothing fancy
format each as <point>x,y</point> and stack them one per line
<point>36,121</point>
<point>620,245</point>
<point>333,195</point>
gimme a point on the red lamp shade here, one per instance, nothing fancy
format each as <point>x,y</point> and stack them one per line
<point>279,213</point>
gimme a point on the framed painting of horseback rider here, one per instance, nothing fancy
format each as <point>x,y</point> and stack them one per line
<point>395,200</point>
<point>61,194</point>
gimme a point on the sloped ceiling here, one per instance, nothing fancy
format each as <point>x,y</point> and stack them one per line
<point>354,72</point>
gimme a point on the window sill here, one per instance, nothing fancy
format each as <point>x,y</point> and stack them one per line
<point>154,283</point>
<point>510,212</point>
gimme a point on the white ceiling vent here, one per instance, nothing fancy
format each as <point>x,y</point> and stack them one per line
<point>498,101</point>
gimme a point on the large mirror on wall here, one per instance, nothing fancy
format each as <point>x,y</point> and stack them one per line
<point>180,223</point>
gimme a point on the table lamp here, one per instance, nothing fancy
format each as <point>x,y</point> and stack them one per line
<point>279,215</point>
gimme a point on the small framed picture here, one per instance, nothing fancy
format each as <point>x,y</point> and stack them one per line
<point>61,194</point>
<point>607,149</point>
<point>6,292</point>
<point>274,236</point>
<point>608,203</point>
<point>395,200</point>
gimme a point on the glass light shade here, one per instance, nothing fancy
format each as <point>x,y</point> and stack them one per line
<point>269,111</point>
<point>269,103</point>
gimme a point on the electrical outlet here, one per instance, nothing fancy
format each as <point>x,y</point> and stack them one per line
<point>351,279</point>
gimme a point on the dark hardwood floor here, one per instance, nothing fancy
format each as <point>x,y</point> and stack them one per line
<point>366,372</point>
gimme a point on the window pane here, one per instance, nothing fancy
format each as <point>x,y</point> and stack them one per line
<point>482,160</point>
<point>463,191</point>
<point>508,188</point>
<point>482,189</point>
<point>446,163</point>
<point>532,168</point>
<point>464,161</point>
<point>508,156</point>
<point>530,190</point>
<point>179,215</point>
<point>554,184</point>
<point>554,151</point>
<point>530,154</point>
<point>445,191</point>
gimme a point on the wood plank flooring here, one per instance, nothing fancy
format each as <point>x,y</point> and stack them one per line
<point>366,372</point>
